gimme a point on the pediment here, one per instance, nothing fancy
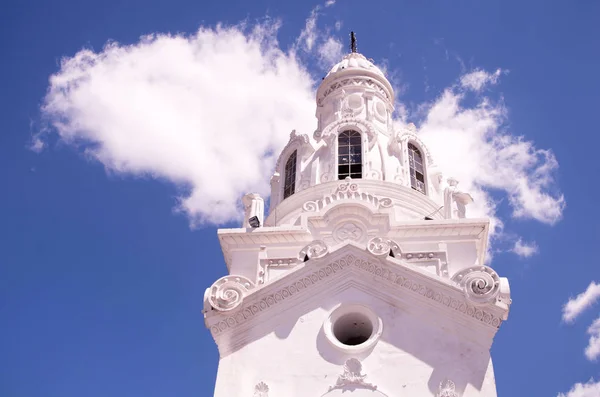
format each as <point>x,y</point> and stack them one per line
<point>349,265</point>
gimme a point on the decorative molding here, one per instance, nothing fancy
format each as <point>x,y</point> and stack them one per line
<point>266,264</point>
<point>261,390</point>
<point>296,142</point>
<point>364,127</point>
<point>447,389</point>
<point>352,376</point>
<point>228,292</point>
<point>381,271</point>
<point>348,231</point>
<point>347,191</point>
<point>356,81</point>
<point>480,284</point>
<point>382,247</point>
<point>314,250</point>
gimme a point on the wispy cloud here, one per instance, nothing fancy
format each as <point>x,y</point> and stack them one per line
<point>592,351</point>
<point>590,389</point>
<point>525,249</point>
<point>471,143</point>
<point>478,79</point>
<point>576,306</point>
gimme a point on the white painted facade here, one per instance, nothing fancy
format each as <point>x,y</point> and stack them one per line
<point>368,286</point>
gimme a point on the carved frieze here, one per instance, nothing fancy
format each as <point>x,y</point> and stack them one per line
<point>347,191</point>
<point>352,376</point>
<point>383,272</point>
<point>266,264</point>
<point>228,292</point>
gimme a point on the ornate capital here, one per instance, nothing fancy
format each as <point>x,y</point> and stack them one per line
<point>228,292</point>
<point>480,284</point>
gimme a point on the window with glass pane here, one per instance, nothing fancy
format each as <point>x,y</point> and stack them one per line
<point>417,173</point>
<point>349,155</point>
<point>289,186</point>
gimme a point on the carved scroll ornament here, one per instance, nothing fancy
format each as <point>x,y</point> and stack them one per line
<point>228,292</point>
<point>314,250</point>
<point>480,284</point>
<point>380,246</point>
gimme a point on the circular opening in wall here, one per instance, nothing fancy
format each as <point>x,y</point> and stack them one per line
<point>353,328</point>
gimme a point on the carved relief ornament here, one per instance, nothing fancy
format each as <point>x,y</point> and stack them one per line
<point>314,250</point>
<point>481,284</point>
<point>228,292</point>
<point>352,376</point>
<point>447,389</point>
<point>261,390</point>
<point>347,191</point>
<point>330,132</point>
<point>382,272</point>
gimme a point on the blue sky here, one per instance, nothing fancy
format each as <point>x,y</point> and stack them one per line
<point>107,229</point>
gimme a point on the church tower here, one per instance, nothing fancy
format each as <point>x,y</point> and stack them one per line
<point>366,278</point>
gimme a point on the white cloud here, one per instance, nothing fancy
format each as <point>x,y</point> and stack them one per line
<point>329,3</point>
<point>338,25</point>
<point>478,79</point>
<point>330,52</point>
<point>308,35</point>
<point>470,144</point>
<point>575,306</point>
<point>589,389</point>
<point>36,144</point>
<point>524,249</point>
<point>209,112</point>
<point>592,351</point>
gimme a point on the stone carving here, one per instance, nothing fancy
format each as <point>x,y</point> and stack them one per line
<point>348,231</point>
<point>358,81</point>
<point>261,390</point>
<point>266,264</point>
<point>347,191</point>
<point>447,389</point>
<point>383,272</point>
<point>352,376</point>
<point>314,250</point>
<point>453,195</point>
<point>329,134</point>
<point>254,205</point>
<point>380,246</point>
<point>228,292</point>
<point>480,284</point>
<point>296,142</point>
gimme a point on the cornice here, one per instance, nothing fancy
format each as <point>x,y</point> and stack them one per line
<point>391,273</point>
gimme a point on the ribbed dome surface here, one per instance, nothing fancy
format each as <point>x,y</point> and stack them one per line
<point>357,61</point>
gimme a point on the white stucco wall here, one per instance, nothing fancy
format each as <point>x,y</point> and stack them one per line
<point>414,354</point>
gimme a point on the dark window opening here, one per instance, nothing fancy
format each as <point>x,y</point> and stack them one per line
<point>289,186</point>
<point>417,171</point>
<point>349,155</point>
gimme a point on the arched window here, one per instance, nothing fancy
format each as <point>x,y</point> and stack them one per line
<point>417,172</point>
<point>289,185</point>
<point>349,155</point>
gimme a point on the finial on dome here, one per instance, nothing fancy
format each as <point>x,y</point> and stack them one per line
<point>352,42</point>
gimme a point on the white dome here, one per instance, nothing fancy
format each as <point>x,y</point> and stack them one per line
<point>356,61</point>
